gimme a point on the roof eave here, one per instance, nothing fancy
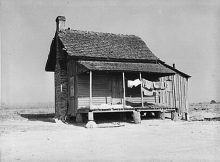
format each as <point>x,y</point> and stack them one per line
<point>86,58</point>
<point>51,60</point>
<point>174,69</point>
<point>155,69</point>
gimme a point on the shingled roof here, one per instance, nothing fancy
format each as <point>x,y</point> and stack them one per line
<point>107,51</point>
<point>105,45</point>
<point>102,46</point>
<point>126,67</point>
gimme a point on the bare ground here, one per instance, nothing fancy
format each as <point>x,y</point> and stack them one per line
<point>152,140</point>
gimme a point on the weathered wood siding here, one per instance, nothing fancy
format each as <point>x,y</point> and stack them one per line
<point>177,98</point>
<point>107,89</point>
<point>101,89</point>
<point>116,88</point>
<point>150,99</point>
<point>84,101</point>
<point>72,98</point>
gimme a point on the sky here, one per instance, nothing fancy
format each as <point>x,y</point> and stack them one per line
<point>182,32</point>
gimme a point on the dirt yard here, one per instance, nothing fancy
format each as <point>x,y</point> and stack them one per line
<point>41,139</point>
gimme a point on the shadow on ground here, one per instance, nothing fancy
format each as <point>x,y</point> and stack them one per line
<point>212,119</point>
<point>103,120</point>
<point>49,117</point>
<point>39,117</point>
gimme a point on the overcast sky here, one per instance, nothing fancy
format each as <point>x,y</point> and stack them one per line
<point>182,32</point>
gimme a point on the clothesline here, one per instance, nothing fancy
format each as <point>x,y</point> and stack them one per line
<point>147,84</point>
<point>149,87</point>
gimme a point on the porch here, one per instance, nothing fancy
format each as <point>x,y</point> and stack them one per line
<point>126,114</point>
<point>109,92</point>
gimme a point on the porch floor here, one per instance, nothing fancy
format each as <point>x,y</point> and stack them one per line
<point>130,109</point>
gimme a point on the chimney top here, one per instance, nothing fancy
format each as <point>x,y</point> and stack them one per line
<point>60,20</point>
<point>174,66</point>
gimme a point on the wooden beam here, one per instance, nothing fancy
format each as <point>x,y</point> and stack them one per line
<point>90,89</point>
<point>163,93</point>
<point>187,100</point>
<point>173,91</point>
<point>142,98</point>
<point>178,83</point>
<point>75,88</point>
<point>75,94</point>
<point>137,117</point>
<point>90,116</point>
<point>123,77</point>
<point>181,96</point>
<point>166,94</point>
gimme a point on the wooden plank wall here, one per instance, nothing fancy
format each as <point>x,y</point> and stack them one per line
<point>101,93</point>
<point>84,101</point>
<point>176,98</point>
<point>104,93</point>
<point>150,99</point>
<point>107,89</point>
<point>72,102</point>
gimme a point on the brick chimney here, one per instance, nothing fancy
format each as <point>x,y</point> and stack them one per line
<point>60,20</point>
<point>174,66</point>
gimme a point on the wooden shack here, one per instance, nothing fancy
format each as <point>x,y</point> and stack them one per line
<point>102,72</point>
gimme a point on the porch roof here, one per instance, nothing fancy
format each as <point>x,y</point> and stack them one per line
<point>125,67</point>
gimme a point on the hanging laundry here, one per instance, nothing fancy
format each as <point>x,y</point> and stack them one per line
<point>147,84</point>
<point>157,85</point>
<point>147,92</point>
<point>155,93</point>
<point>130,83</point>
<point>135,83</point>
<point>163,85</point>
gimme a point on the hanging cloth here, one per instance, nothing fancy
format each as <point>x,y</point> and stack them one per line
<point>135,83</point>
<point>147,84</point>
<point>147,92</point>
<point>163,85</point>
<point>155,93</point>
<point>157,85</point>
<point>130,83</point>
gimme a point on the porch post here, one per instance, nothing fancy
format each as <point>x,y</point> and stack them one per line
<point>142,98</point>
<point>173,91</point>
<point>90,89</point>
<point>91,123</point>
<point>123,77</point>
<point>187,101</point>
